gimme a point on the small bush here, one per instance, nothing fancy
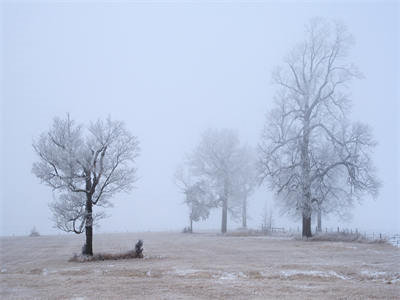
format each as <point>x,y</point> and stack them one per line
<point>34,232</point>
<point>137,253</point>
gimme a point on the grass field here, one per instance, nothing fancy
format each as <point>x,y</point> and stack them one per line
<point>198,266</point>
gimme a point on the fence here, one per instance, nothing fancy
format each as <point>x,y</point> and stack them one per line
<point>393,239</point>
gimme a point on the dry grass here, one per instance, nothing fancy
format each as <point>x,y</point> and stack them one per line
<point>198,266</point>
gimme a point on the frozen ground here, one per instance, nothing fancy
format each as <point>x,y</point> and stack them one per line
<point>198,266</point>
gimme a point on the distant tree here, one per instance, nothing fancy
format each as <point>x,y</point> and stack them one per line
<point>308,137</point>
<point>218,160</point>
<point>85,167</point>
<point>197,196</point>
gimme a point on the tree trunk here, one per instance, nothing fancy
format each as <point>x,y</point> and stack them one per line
<point>191,225</point>
<point>244,213</point>
<point>88,248</point>
<point>306,182</point>
<point>306,226</point>
<point>224,215</point>
<point>319,225</point>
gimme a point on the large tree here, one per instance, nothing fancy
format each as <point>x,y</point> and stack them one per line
<point>85,166</point>
<point>308,139</point>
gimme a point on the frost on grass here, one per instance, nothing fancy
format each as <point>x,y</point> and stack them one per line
<point>184,272</point>
<point>312,273</point>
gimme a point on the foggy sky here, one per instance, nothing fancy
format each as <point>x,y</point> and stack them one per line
<point>170,70</point>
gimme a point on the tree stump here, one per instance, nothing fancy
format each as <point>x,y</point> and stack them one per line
<point>139,249</point>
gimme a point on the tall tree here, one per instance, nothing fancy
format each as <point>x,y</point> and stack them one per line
<point>246,181</point>
<point>85,167</point>
<point>308,137</point>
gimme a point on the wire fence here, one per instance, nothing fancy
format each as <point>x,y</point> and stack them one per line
<point>391,238</point>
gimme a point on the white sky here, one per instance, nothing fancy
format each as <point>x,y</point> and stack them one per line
<point>171,69</point>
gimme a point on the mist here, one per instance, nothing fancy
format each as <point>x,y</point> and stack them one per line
<point>170,71</point>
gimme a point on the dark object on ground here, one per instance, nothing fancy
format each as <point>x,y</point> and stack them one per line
<point>137,253</point>
<point>139,249</point>
<point>187,230</point>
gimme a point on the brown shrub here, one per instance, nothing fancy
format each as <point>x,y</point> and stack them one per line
<point>105,256</point>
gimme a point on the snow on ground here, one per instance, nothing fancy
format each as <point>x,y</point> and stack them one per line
<point>198,266</point>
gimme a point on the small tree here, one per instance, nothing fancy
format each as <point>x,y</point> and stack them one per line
<point>197,196</point>
<point>85,167</point>
<point>199,203</point>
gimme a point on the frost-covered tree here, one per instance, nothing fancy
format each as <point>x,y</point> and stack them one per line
<point>218,160</point>
<point>198,196</point>
<point>308,137</point>
<point>85,166</point>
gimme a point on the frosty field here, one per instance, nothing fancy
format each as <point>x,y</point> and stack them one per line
<point>198,266</point>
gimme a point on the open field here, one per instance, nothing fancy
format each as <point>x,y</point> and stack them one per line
<point>198,266</point>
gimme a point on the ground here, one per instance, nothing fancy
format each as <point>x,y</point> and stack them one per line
<point>198,266</point>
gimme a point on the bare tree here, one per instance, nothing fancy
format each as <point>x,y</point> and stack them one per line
<point>198,196</point>
<point>85,168</point>
<point>308,137</point>
<point>217,160</point>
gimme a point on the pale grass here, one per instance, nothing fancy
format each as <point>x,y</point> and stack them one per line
<point>198,266</point>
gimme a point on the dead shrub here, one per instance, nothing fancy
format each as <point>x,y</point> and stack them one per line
<point>137,253</point>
